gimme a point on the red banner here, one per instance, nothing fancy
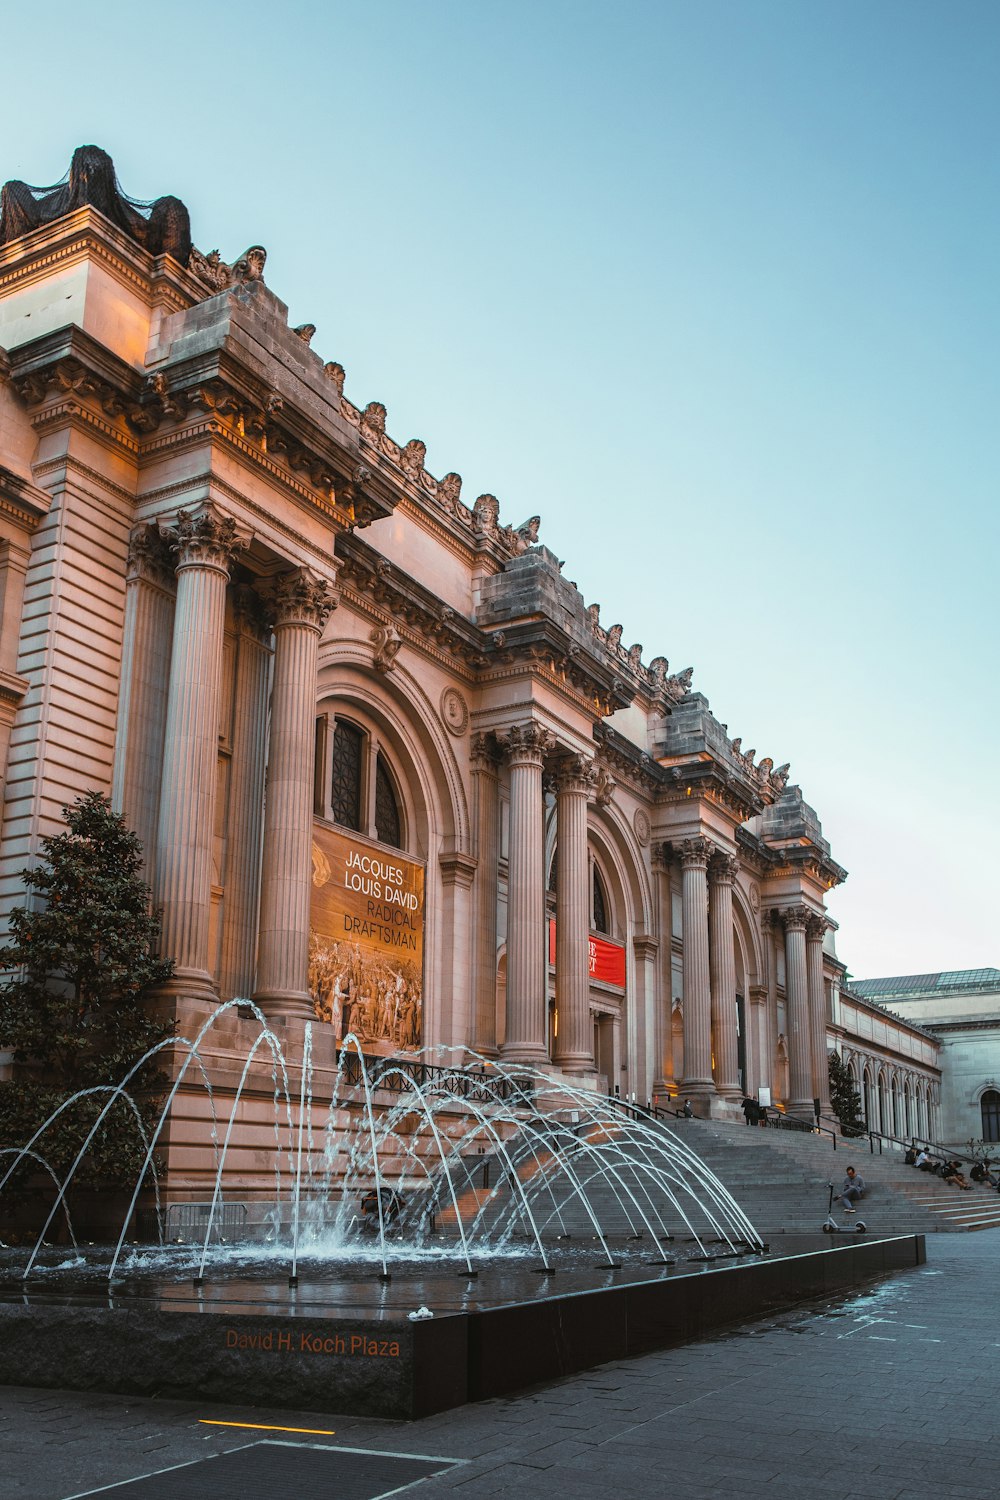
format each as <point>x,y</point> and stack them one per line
<point>607,960</point>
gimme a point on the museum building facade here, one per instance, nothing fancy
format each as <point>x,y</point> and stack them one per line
<point>388,768</point>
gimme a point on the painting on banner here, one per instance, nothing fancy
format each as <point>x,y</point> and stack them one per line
<point>366,941</point>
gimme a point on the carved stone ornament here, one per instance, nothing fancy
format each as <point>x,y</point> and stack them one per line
<point>305,331</point>
<point>217,274</point>
<point>754,896</point>
<point>725,868</point>
<point>207,539</point>
<point>150,555</point>
<point>486,514</point>
<point>387,640</point>
<point>454,711</point>
<point>301,597</point>
<point>527,743</point>
<point>251,612</point>
<point>816,928</point>
<point>795,917</point>
<point>449,491</point>
<point>528,530</point>
<point>373,420</point>
<point>641,826</point>
<point>605,789</point>
<point>576,773</point>
<point>485,752</point>
<point>336,375</point>
<point>412,456</point>
<point>695,853</point>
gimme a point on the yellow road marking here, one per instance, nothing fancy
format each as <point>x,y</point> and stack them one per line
<point>265,1427</point>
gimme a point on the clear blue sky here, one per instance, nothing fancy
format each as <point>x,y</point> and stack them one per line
<point>711,286</point>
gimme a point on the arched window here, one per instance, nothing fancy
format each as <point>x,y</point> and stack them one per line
<point>990,1105</point>
<point>600,905</point>
<point>346,778</point>
<point>387,822</point>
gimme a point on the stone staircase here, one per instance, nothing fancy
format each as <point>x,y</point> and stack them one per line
<point>779,1179</point>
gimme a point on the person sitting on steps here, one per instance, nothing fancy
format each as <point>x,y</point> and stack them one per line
<point>854,1187</point>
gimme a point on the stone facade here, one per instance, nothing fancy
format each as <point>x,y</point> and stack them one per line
<point>960,1010</point>
<point>212,561</point>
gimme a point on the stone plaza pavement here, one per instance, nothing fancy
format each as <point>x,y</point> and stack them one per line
<point>891,1392</point>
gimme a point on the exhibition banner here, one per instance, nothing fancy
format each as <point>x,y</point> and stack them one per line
<point>366,940</point>
<point>607,960</point>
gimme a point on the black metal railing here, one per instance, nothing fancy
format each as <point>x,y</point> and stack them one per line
<point>401,1075</point>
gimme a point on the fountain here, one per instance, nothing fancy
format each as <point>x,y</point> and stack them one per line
<point>436,1233</point>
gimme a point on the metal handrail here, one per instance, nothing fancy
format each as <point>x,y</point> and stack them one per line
<point>394,1074</point>
<point>944,1152</point>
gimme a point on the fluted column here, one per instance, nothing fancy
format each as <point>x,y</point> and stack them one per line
<point>246,797</point>
<point>815,930</point>
<point>526,1037</point>
<point>301,604</point>
<point>205,543</point>
<point>145,680</point>
<point>663,1039</point>
<point>486,811</point>
<point>722,872</point>
<point>697,1080</point>
<point>574,782</point>
<point>758,1059</point>
<point>800,1078</point>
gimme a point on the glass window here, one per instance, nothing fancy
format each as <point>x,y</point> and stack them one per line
<point>600,905</point>
<point>345,792</point>
<point>990,1104</point>
<point>387,820</point>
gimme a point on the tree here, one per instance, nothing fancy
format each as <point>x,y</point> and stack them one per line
<point>844,1097</point>
<point>80,960</point>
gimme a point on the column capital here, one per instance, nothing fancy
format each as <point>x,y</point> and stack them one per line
<point>485,753</point>
<point>795,918</point>
<point>576,774</point>
<point>695,853</point>
<point>301,597</point>
<point>526,744</point>
<point>206,538</point>
<point>816,926</point>
<point>150,556</point>
<point>723,868</point>
<point>758,994</point>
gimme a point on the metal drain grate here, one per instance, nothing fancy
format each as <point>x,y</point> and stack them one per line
<point>281,1469</point>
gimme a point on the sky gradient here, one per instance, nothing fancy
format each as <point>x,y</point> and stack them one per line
<point>711,287</point>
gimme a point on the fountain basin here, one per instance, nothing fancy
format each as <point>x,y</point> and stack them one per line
<point>341,1341</point>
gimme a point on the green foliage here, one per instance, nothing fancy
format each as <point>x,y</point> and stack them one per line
<point>844,1097</point>
<point>80,958</point>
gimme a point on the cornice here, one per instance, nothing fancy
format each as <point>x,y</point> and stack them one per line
<point>540,642</point>
<point>12,688</point>
<point>21,500</point>
<point>708,778</point>
<point>390,594</point>
<point>630,764</point>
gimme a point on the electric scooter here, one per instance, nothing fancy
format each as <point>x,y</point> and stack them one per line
<point>832,1227</point>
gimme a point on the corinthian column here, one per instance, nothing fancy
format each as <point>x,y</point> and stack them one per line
<point>145,681</point>
<point>800,1078</point>
<point>575,780</point>
<point>205,543</point>
<point>815,931</point>
<point>246,796</point>
<point>723,871</point>
<point>525,1041</point>
<point>663,1062</point>
<point>486,804</point>
<point>301,603</point>
<point>697,1080</point>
